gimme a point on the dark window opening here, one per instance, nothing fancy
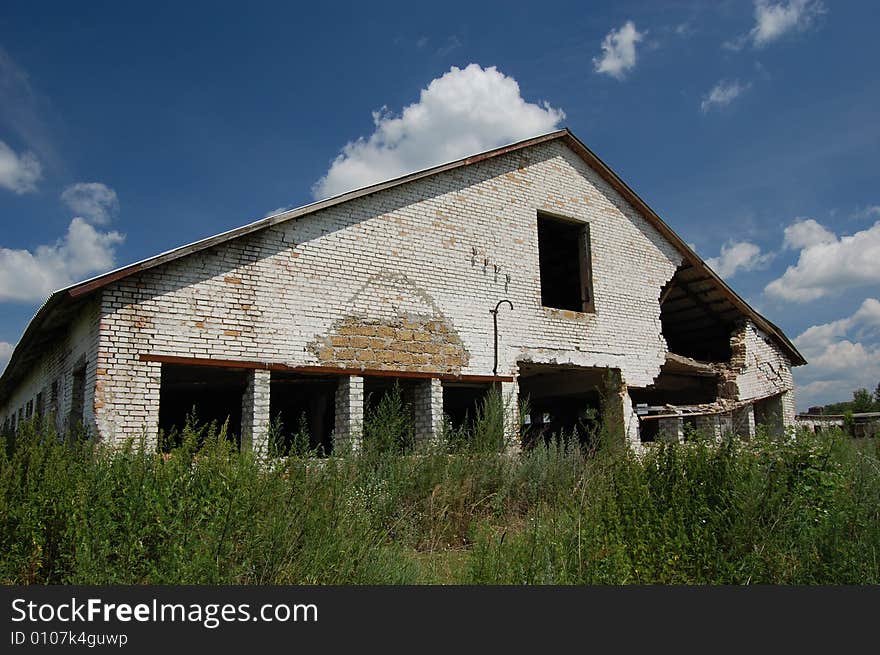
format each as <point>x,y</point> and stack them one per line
<point>77,398</point>
<point>40,409</point>
<point>461,403</point>
<point>564,259</point>
<point>690,425</point>
<point>302,408</point>
<point>561,404</point>
<point>672,389</point>
<point>393,430</point>
<point>562,417</point>
<point>29,409</point>
<point>649,430</point>
<point>212,395</point>
<point>768,413</point>
<point>53,398</point>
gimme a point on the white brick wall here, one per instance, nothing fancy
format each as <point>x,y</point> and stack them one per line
<point>428,406</point>
<point>767,371</point>
<point>78,344</point>
<point>348,430</point>
<point>440,251</point>
<point>447,243</point>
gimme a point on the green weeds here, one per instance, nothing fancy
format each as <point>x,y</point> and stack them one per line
<point>802,510</point>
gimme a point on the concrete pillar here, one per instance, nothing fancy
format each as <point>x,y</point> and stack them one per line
<point>428,406</point>
<point>630,422</point>
<point>348,431</point>
<point>671,429</point>
<point>620,423</point>
<point>255,412</point>
<point>744,422</point>
<point>788,410</point>
<point>510,398</point>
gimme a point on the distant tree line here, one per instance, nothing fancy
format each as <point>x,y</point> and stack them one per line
<point>862,401</point>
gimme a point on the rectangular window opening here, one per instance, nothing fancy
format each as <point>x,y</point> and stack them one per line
<point>205,397</point>
<point>303,413</point>
<point>77,398</point>
<point>565,263</point>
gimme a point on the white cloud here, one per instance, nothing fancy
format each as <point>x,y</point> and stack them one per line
<point>619,51</point>
<point>739,256</point>
<point>27,276</point>
<point>18,173</point>
<point>30,276</point>
<point>827,263</point>
<point>5,354</point>
<point>806,232</point>
<point>775,19</point>
<point>95,202</point>
<point>843,355</point>
<point>463,112</point>
<point>722,94</point>
<point>277,210</point>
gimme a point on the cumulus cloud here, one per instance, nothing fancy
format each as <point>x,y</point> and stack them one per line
<point>774,20</point>
<point>806,232</point>
<point>18,173</point>
<point>619,51</point>
<point>843,355</point>
<point>827,263</point>
<point>463,112</point>
<point>5,354</point>
<point>95,202</point>
<point>739,256</point>
<point>722,94</point>
<point>31,275</point>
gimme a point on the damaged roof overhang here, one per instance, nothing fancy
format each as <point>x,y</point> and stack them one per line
<point>82,289</point>
<point>681,365</point>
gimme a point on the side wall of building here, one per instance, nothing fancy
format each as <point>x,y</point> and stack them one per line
<point>78,347</point>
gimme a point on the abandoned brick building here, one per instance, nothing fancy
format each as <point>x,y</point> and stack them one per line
<point>314,311</point>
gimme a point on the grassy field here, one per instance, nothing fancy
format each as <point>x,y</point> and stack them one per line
<point>805,509</point>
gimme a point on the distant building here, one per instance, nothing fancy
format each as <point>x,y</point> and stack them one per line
<point>866,424</point>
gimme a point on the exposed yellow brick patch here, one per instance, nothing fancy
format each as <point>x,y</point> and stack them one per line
<point>407,343</point>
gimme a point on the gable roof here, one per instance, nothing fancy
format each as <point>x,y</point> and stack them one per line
<point>67,296</point>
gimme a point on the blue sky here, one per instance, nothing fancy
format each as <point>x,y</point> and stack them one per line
<point>752,127</point>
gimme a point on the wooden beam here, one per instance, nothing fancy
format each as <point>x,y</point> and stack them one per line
<point>703,304</point>
<point>321,370</point>
<point>690,308</point>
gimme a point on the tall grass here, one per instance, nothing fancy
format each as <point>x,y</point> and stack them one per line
<point>805,509</point>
